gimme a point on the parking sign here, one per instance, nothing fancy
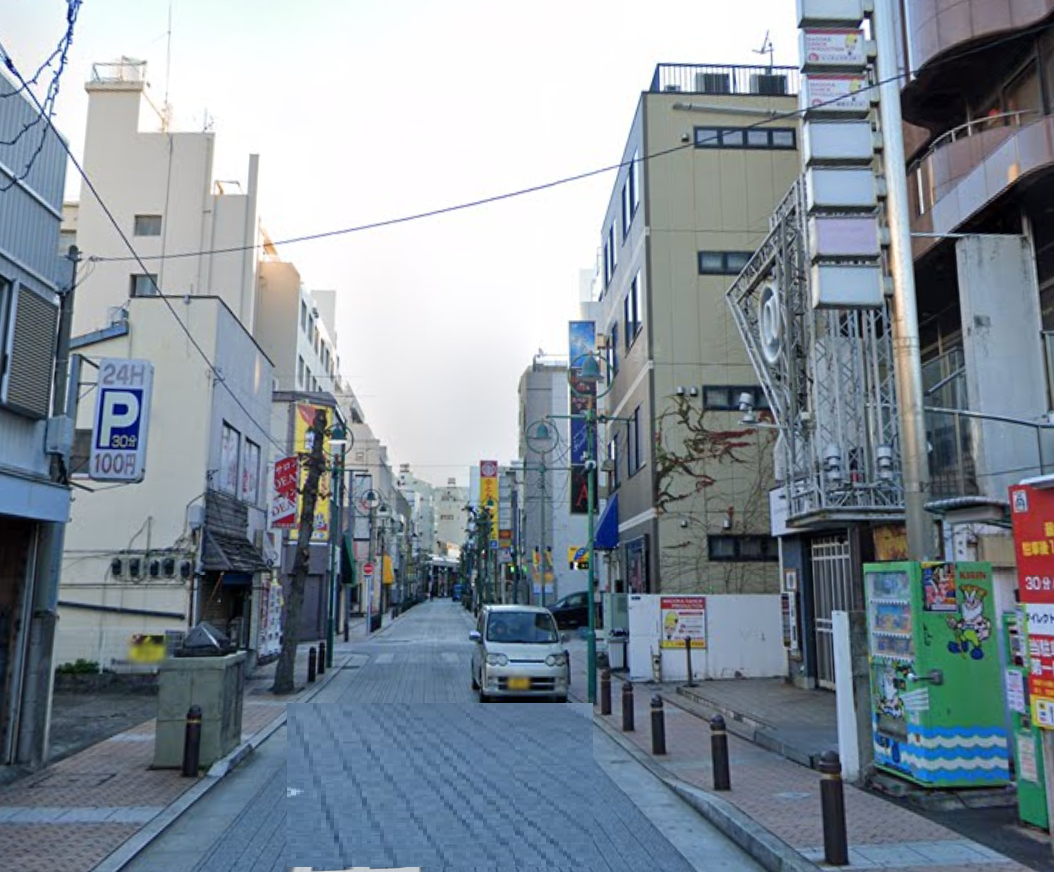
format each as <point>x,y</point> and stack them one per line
<point>122,416</point>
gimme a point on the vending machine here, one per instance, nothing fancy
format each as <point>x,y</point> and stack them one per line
<point>936,680</point>
<point>1024,734</point>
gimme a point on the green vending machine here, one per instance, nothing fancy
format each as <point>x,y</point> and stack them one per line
<point>1025,738</point>
<point>936,682</point>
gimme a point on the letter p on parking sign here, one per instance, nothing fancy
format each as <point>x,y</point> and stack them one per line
<point>122,418</point>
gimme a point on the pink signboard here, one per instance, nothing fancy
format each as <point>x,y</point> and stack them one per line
<point>283,506</point>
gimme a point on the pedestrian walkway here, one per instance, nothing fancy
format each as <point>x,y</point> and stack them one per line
<point>94,809</point>
<point>773,808</point>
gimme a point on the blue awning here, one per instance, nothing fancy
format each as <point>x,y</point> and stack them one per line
<point>606,538</point>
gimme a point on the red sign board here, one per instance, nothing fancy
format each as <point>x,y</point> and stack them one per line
<point>368,569</point>
<point>1032,513</point>
<point>283,506</point>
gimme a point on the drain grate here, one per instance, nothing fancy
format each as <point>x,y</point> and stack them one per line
<point>59,780</point>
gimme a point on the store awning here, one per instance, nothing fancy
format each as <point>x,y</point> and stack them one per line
<point>222,552</point>
<point>606,536</point>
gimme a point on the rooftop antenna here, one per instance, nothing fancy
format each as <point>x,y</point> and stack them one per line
<point>766,48</point>
<point>166,119</point>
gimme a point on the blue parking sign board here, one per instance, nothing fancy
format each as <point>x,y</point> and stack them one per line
<point>121,422</point>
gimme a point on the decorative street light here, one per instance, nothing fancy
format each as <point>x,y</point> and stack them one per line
<point>340,443</point>
<point>542,439</point>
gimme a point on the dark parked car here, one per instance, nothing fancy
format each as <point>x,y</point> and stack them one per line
<point>571,611</point>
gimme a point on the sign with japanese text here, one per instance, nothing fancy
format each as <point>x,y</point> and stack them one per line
<point>283,505</point>
<point>832,47</point>
<point>490,494</point>
<point>1032,514</point>
<point>683,617</point>
<point>303,442</point>
<point>583,398</point>
<point>838,94</point>
<point>121,421</point>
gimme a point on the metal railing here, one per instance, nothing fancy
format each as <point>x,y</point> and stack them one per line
<point>725,79</point>
<point>921,168</point>
<point>124,70</point>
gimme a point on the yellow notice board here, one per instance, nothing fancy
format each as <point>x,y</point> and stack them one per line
<point>489,493</point>
<point>303,438</point>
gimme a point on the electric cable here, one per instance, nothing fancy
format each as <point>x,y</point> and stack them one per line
<point>577,177</point>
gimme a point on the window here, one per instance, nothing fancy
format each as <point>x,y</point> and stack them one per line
<point>633,452</point>
<point>723,263</point>
<point>147,225</point>
<point>610,256</point>
<point>7,295</point>
<point>251,473</point>
<point>303,316</point>
<point>230,443</point>
<point>28,325</point>
<point>725,398</point>
<point>627,214</point>
<point>144,285</point>
<point>632,312</point>
<point>634,183</point>
<point>299,371</point>
<point>742,137</point>
<point>66,239</point>
<point>613,351</point>
<point>743,548</point>
<point>607,266</point>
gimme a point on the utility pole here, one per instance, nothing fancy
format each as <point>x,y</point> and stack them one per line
<point>541,528</point>
<point>369,559</point>
<point>284,679</point>
<point>921,534</point>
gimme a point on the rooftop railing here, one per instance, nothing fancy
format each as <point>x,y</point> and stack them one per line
<point>727,79</point>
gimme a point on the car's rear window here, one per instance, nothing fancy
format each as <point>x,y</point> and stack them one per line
<point>522,627</point>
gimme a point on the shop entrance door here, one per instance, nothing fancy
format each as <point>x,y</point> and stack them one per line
<point>832,581</point>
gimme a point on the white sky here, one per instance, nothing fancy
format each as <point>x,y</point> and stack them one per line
<point>363,110</point>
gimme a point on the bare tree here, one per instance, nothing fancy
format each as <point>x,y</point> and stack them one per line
<point>284,681</point>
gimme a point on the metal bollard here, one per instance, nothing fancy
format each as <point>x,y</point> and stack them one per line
<point>719,753</point>
<point>832,806</point>
<point>347,630</point>
<point>658,726</point>
<point>312,662</point>
<point>688,654</point>
<point>627,707</point>
<point>192,743</point>
<point>605,691</point>
<point>321,658</point>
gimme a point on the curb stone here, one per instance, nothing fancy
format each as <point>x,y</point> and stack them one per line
<point>767,849</point>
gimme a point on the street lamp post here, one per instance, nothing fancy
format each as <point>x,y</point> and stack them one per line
<point>340,442</point>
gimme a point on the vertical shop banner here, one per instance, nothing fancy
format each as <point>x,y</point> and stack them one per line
<point>271,603</point>
<point>285,499</point>
<point>1032,514</point>
<point>303,442</point>
<point>489,494</point>
<point>581,346</point>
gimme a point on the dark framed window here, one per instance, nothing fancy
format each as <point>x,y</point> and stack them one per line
<point>725,398</point>
<point>742,549</point>
<point>613,456</point>
<point>613,354</point>
<point>144,285</point>
<point>634,460</point>
<point>633,311</point>
<point>723,263</point>
<point>147,225</point>
<point>746,137</point>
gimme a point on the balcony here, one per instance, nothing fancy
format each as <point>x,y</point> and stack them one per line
<point>972,165</point>
<point>725,80</point>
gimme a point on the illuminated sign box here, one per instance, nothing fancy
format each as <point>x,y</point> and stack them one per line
<point>831,237</point>
<point>837,142</point>
<point>821,13</point>
<point>850,286</point>
<point>852,190</point>
<point>835,49</point>
<point>846,95</point>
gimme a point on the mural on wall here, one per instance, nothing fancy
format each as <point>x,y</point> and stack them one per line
<point>694,485</point>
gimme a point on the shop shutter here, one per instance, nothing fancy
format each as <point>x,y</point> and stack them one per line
<point>31,354</point>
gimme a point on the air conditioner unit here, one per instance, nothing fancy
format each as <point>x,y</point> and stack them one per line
<point>603,341</point>
<point>768,84</point>
<point>713,83</point>
<point>135,567</point>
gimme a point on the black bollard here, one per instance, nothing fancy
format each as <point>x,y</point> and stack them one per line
<point>832,805</point>
<point>658,726</point>
<point>347,630</point>
<point>192,743</point>
<point>605,691</point>
<point>719,753</point>
<point>688,654</point>
<point>321,658</point>
<point>627,707</point>
<point>312,662</point>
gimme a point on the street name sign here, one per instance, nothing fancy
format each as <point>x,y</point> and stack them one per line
<point>121,421</point>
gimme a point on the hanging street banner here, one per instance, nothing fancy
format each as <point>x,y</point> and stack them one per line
<point>683,617</point>
<point>490,495</point>
<point>121,420</point>
<point>583,399</point>
<point>284,501</point>
<point>1032,514</point>
<point>303,441</point>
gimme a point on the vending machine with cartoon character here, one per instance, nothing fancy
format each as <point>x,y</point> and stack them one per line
<point>936,680</point>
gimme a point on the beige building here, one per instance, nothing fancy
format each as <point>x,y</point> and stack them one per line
<point>707,158</point>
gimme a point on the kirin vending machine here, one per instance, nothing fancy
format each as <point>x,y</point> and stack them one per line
<point>936,680</point>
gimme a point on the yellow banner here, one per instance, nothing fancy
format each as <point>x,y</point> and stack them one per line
<point>489,493</point>
<point>387,575</point>
<point>303,440</point>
